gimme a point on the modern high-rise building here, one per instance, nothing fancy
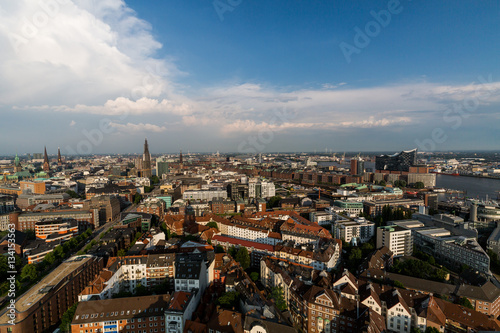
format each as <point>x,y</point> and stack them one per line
<point>354,166</point>
<point>397,162</point>
<point>161,167</point>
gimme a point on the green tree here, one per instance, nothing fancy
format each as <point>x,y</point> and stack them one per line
<point>121,253</point>
<point>141,290</point>
<point>419,185</point>
<point>154,180</point>
<point>464,301</point>
<point>228,300</point>
<point>212,225</point>
<point>30,234</point>
<point>73,194</point>
<point>59,251</point>
<point>278,297</point>
<point>274,201</point>
<point>219,249</point>
<point>232,251</point>
<point>50,258</point>
<point>382,183</point>
<point>356,254</point>
<point>432,330</point>
<point>67,318</point>
<point>137,198</point>
<point>398,284</point>
<point>367,247</point>
<point>29,273</point>
<point>254,276</point>
<point>4,267</point>
<point>243,257</point>
<point>415,330</point>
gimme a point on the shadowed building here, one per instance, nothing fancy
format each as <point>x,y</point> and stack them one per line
<point>398,162</point>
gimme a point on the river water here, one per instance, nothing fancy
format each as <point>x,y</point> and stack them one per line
<point>475,187</point>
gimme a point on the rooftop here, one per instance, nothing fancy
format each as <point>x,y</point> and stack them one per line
<point>36,293</point>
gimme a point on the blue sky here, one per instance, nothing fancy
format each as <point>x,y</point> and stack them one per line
<point>237,75</point>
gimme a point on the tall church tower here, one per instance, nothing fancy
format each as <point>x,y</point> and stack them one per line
<point>17,164</point>
<point>180,157</point>
<point>59,159</point>
<point>146,161</point>
<point>46,165</point>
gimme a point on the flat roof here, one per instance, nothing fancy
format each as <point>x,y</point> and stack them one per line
<point>36,293</point>
<point>436,232</point>
<point>408,223</point>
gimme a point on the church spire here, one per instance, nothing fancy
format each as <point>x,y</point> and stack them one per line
<point>46,165</point>
<point>180,157</point>
<point>146,161</point>
<point>59,159</point>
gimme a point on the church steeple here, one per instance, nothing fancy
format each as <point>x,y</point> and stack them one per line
<point>146,161</point>
<point>46,165</point>
<point>59,159</point>
<point>17,164</point>
<point>180,157</point>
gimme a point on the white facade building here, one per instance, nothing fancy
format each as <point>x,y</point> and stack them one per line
<point>360,230</point>
<point>397,239</point>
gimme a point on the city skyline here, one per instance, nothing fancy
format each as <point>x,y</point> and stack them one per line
<point>99,76</point>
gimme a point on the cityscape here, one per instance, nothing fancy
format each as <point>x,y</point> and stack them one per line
<point>249,167</point>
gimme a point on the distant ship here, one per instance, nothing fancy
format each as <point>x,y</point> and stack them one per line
<point>446,173</point>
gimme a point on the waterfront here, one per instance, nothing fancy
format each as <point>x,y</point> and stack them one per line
<point>475,187</point>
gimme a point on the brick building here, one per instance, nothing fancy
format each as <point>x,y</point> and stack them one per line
<point>41,308</point>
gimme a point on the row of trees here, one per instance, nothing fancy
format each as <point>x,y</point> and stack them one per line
<point>400,183</point>
<point>419,269</point>
<point>31,273</point>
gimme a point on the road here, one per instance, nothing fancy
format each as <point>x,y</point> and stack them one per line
<point>104,228</point>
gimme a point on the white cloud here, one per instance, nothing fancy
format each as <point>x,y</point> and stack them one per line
<point>97,57</point>
<point>129,127</point>
<point>86,51</point>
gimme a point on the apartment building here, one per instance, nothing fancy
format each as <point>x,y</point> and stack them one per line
<point>6,203</point>
<point>206,195</point>
<point>131,315</point>
<point>44,304</point>
<point>454,251</point>
<point>359,231</point>
<point>374,208</point>
<point>260,188</point>
<point>27,220</point>
<point>322,256</point>
<point>56,229</point>
<point>125,273</point>
<point>397,239</point>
